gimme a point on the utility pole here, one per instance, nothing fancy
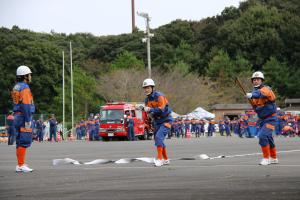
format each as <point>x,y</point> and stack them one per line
<point>63,88</point>
<point>72,99</point>
<point>132,15</point>
<point>147,39</point>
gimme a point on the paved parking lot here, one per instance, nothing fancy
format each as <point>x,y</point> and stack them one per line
<point>227,178</point>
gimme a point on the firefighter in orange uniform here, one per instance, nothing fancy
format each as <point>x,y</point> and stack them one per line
<point>157,105</point>
<point>263,101</point>
<point>23,110</point>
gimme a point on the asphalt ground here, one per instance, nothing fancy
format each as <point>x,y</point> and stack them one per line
<point>225,178</point>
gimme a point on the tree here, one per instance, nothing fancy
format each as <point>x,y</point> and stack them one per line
<point>221,67</point>
<point>127,60</point>
<point>255,34</point>
<point>86,99</point>
<point>185,92</point>
<point>183,53</point>
<point>279,76</point>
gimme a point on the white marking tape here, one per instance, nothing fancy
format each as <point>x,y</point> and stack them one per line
<point>205,157</point>
<point>102,161</point>
<point>151,160</point>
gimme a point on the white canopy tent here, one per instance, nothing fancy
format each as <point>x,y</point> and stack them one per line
<point>200,113</point>
<point>174,115</point>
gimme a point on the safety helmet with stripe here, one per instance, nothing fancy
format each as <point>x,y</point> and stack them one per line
<point>23,70</point>
<point>148,82</point>
<point>258,74</point>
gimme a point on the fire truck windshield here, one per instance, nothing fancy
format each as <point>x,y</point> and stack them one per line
<point>112,115</point>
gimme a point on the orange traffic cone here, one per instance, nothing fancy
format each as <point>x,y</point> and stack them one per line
<point>58,137</point>
<point>188,134</point>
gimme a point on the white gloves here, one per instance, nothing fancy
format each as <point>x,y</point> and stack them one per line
<point>140,107</point>
<point>249,95</point>
<point>147,109</point>
<point>27,125</point>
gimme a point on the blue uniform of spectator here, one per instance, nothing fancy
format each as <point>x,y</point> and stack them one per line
<point>202,128</point>
<point>10,129</point>
<point>82,128</point>
<point>91,127</point>
<point>130,126</point>
<point>78,131</point>
<point>39,129</point>
<point>237,128</point>
<point>53,128</point>
<point>227,127</point>
<point>177,128</point>
<point>97,129</point>
<point>193,126</point>
<point>221,127</point>
<point>198,126</point>
<point>211,128</point>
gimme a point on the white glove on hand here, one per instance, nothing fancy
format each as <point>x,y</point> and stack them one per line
<point>147,109</point>
<point>249,95</point>
<point>27,125</point>
<point>140,107</point>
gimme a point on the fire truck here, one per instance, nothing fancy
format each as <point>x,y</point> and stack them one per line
<point>113,121</point>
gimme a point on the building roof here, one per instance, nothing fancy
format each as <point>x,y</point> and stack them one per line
<point>237,106</point>
<point>287,101</point>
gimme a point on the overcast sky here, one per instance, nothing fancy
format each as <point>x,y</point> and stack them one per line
<point>102,17</point>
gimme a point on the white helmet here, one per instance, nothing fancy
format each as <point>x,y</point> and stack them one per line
<point>23,70</point>
<point>258,74</point>
<point>148,82</point>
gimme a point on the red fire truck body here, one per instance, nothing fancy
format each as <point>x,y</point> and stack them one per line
<point>113,121</point>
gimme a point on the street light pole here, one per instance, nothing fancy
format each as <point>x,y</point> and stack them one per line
<point>147,39</point>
